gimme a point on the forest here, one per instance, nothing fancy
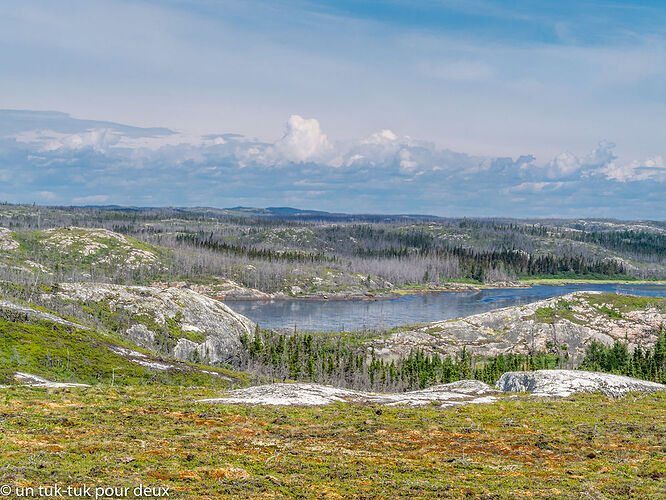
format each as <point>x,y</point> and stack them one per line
<point>277,251</point>
<point>344,361</point>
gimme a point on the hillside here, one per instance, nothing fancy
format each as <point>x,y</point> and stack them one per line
<point>564,326</point>
<point>96,333</point>
<point>283,253</point>
<point>76,252</point>
<point>64,352</point>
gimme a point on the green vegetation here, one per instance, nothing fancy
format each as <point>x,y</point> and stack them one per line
<point>67,354</point>
<point>584,446</point>
<point>320,253</point>
<point>648,364</point>
<point>627,303</point>
<point>344,361</point>
<point>561,310</point>
<point>583,281</point>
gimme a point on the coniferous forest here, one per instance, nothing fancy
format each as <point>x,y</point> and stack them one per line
<point>343,361</point>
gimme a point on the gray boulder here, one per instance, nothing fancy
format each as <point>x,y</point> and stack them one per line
<point>562,383</point>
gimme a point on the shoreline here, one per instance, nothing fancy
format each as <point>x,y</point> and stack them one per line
<point>455,288</point>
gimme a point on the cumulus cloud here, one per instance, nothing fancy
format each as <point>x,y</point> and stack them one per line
<point>567,164</point>
<point>302,141</point>
<point>649,169</point>
<point>385,136</point>
<point>383,172</point>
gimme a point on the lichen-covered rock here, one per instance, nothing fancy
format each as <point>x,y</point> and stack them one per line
<point>456,393</point>
<point>101,246</point>
<point>6,240</point>
<point>172,321</point>
<point>562,383</point>
<point>530,328</point>
<point>36,381</point>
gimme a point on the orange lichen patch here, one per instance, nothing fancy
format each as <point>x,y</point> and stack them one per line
<point>208,423</point>
<point>188,475</point>
<point>229,472</point>
<point>64,404</point>
<point>246,432</point>
<point>159,452</point>
<point>159,475</point>
<point>53,448</point>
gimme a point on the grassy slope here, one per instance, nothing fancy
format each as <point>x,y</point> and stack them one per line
<point>587,446</point>
<point>67,354</point>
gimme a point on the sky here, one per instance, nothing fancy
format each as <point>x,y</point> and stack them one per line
<point>443,107</point>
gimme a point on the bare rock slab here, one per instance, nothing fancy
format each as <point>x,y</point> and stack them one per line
<point>456,393</point>
<point>36,381</point>
<point>563,383</point>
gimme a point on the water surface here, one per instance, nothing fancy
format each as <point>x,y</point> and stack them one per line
<point>338,315</point>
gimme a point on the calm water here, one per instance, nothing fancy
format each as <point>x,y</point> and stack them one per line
<point>360,314</point>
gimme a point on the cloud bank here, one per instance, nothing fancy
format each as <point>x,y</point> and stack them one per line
<point>56,159</point>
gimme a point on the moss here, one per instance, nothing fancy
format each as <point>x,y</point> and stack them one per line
<point>63,353</point>
<point>627,303</point>
<point>544,315</point>
<point>562,309</point>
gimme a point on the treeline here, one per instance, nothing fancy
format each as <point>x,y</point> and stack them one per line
<point>273,254</point>
<point>477,265</point>
<point>344,362</point>
<point>646,364</point>
<point>627,241</point>
<point>207,240</point>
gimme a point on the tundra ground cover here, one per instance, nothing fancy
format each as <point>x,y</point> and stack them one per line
<point>584,446</point>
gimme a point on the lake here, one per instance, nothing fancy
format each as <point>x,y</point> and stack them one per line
<point>338,315</point>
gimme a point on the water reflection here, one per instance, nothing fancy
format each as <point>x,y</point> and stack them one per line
<point>359,314</point>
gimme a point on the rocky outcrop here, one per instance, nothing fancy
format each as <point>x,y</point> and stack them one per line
<point>15,312</point>
<point>222,289</point>
<point>102,246</point>
<point>542,383</point>
<point>6,240</point>
<point>565,324</point>
<point>562,383</point>
<point>36,381</point>
<point>171,321</point>
<point>453,394</point>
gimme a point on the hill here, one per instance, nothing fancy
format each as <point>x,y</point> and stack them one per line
<point>92,333</point>
<point>563,326</point>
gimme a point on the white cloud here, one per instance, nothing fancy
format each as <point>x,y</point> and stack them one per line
<point>303,140</point>
<point>563,165</point>
<point>568,164</point>
<point>394,172</point>
<point>49,140</point>
<point>535,187</point>
<point>650,169</point>
<point>407,164</point>
<point>385,136</point>
<point>47,195</point>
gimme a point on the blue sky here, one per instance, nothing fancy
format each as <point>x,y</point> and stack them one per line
<point>443,107</point>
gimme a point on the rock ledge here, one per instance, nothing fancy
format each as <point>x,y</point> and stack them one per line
<point>562,383</point>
